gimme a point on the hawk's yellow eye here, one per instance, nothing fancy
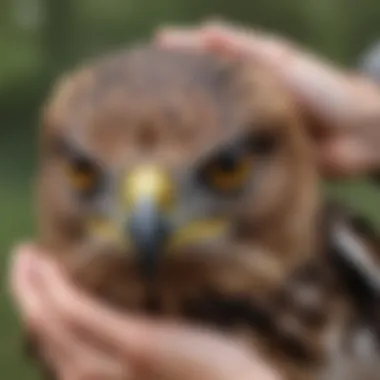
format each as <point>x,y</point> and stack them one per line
<point>83,175</point>
<point>228,172</point>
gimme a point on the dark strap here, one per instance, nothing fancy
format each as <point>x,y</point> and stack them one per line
<point>353,251</point>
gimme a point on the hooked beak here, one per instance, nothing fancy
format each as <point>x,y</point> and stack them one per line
<point>149,193</point>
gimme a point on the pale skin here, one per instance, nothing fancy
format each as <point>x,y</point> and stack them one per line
<point>85,340</point>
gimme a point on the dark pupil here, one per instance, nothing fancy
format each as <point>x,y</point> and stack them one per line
<point>83,166</point>
<point>228,162</point>
<point>263,143</point>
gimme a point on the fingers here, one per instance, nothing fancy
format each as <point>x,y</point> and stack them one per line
<point>22,281</point>
<point>228,40</point>
<point>181,352</point>
<point>317,85</point>
<point>64,350</point>
<point>43,294</point>
<point>80,312</point>
<point>73,358</point>
<point>150,348</point>
<point>180,38</point>
<point>340,103</point>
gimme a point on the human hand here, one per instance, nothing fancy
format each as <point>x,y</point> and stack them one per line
<point>83,340</point>
<point>343,107</point>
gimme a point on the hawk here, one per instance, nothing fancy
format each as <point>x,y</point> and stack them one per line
<point>183,185</point>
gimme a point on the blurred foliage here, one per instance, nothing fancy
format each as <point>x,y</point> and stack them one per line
<point>39,39</point>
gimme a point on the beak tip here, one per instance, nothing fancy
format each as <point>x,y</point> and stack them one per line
<point>149,232</point>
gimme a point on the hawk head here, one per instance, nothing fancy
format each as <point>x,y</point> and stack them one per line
<point>152,155</point>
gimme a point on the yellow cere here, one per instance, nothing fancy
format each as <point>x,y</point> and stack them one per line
<point>193,233</point>
<point>198,231</point>
<point>149,182</point>
<point>107,231</point>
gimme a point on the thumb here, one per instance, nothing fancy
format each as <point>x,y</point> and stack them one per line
<point>175,352</point>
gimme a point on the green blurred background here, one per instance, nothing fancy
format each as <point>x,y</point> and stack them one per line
<point>41,38</point>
